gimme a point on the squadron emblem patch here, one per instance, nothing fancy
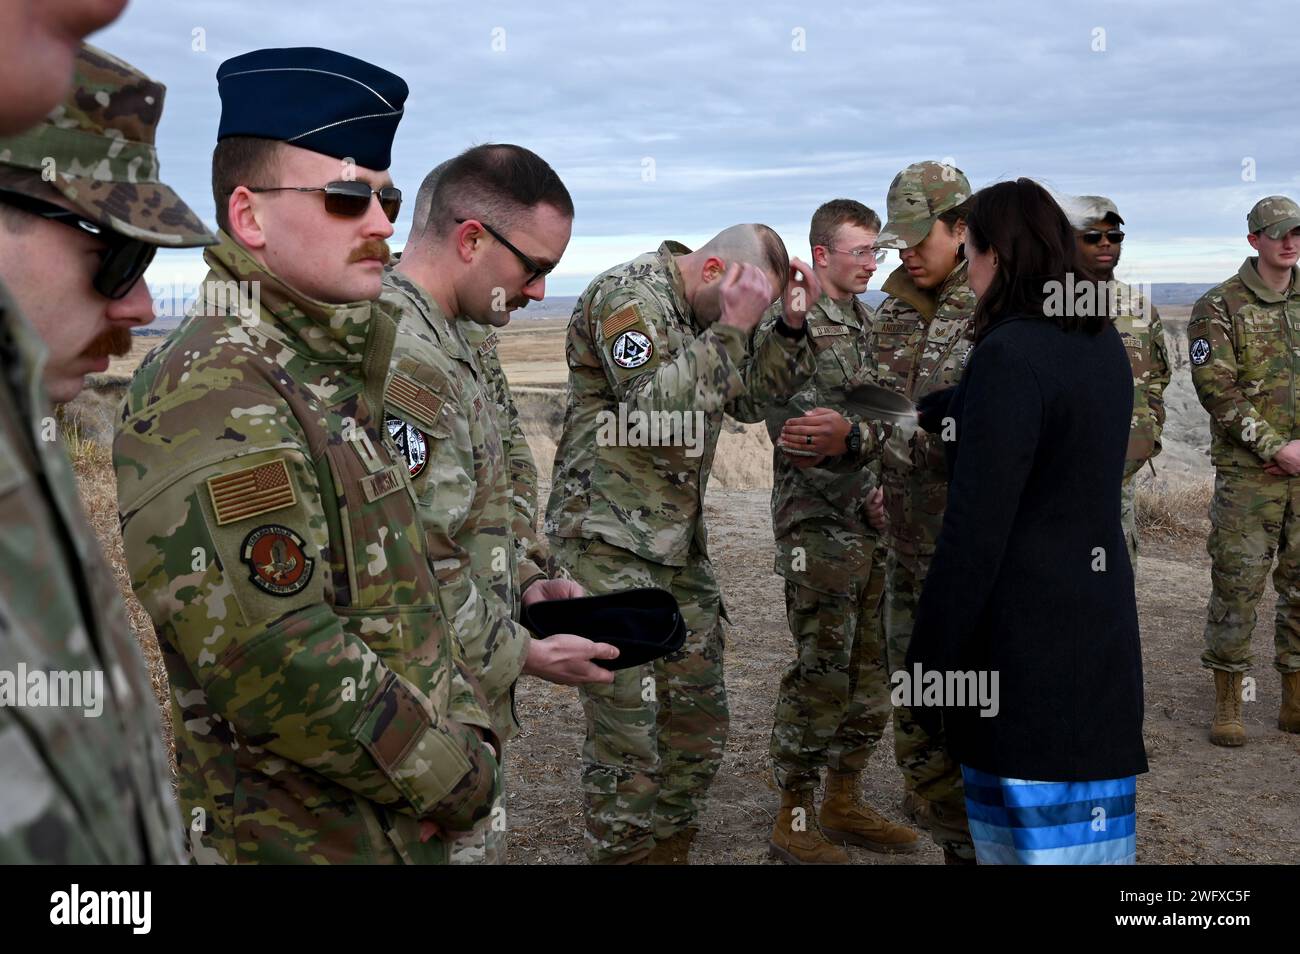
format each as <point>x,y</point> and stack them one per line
<point>1200,351</point>
<point>277,560</point>
<point>631,349</point>
<point>411,444</point>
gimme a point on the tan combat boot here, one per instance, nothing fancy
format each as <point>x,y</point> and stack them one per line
<point>796,840</point>
<point>1227,728</point>
<point>848,820</point>
<point>1288,717</point>
<point>675,849</point>
<point>917,809</point>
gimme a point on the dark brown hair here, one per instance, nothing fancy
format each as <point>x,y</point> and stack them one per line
<point>496,182</point>
<point>831,215</point>
<point>1035,246</point>
<point>241,161</point>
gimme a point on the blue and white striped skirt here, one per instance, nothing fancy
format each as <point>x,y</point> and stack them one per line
<point>1015,821</point>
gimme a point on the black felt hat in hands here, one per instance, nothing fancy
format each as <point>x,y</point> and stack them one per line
<point>644,624</point>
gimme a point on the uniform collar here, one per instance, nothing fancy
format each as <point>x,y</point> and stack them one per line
<point>851,312</point>
<point>899,284</point>
<point>428,312</point>
<point>1249,274</point>
<point>667,253</point>
<point>310,327</point>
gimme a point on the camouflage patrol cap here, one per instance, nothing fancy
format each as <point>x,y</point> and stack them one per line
<point>917,197</point>
<point>1274,216</point>
<point>97,149</point>
<point>1084,210</point>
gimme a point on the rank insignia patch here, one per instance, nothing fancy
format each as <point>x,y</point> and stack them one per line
<point>631,350</point>
<point>277,560</point>
<point>411,444</point>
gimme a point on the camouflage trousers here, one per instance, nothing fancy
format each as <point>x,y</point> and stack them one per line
<point>485,843</point>
<point>1253,517</point>
<point>833,704</point>
<point>927,767</point>
<point>1128,518</point>
<point>655,735</point>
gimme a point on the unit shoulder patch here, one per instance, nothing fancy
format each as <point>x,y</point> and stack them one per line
<point>631,349</point>
<point>277,560</point>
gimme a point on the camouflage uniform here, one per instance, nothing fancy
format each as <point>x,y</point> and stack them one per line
<point>274,539</point>
<point>622,516</point>
<point>445,421</point>
<point>1138,323</point>
<point>834,702</point>
<point>78,789</point>
<point>922,340</point>
<point>535,561</point>
<point>1245,353</point>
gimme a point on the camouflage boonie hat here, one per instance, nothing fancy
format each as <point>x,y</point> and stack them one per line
<point>917,197</point>
<point>98,146</point>
<point>1274,216</point>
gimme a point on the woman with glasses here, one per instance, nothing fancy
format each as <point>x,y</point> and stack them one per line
<point>1031,583</point>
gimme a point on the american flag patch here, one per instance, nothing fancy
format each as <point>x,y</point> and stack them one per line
<point>621,320</point>
<point>419,402</point>
<point>251,492</point>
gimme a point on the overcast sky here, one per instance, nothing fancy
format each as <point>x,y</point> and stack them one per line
<point>674,120</point>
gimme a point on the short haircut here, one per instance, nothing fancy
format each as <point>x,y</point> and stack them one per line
<point>241,161</point>
<point>497,183</point>
<point>828,218</point>
<point>753,244</point>
<point>28,182</point>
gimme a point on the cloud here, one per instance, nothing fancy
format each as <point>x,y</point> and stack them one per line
<point>677,119</point>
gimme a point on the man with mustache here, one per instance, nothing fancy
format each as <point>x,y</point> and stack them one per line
<point>1097,223</point>
<point>489,225</point>
<point>1242,345</point>
<point>320,712</point>
<point>834,701</point>
<point>81,214</point>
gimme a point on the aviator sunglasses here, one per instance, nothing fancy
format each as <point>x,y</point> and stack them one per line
<point>348,197</point>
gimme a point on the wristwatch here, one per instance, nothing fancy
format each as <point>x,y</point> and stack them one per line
<point>854,440</point>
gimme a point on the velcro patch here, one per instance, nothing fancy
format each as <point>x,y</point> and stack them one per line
<point>621,320</point>
<point>631,350</point>
<point>277,560</point>
<point>489,344</point>
<point>383,483</point>
<point>893,328</point>
<point>251,492</point>
<point>1199,351</point>
<point>415,399</point>
<point>828,331</point>
<point>411,443</point>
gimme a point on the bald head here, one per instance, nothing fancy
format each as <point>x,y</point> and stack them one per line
<point>753,244</point>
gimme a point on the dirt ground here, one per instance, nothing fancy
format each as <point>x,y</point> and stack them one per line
<point>1199,804</point>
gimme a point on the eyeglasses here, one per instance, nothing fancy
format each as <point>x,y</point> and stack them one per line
<point>122,262</point>
<point>348,197</point>
<point>861,254</point>
<point>1093,236</point>
<point>535,271</point>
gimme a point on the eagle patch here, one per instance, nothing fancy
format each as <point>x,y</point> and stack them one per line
<point>277,560</point>
<point>631,349</point>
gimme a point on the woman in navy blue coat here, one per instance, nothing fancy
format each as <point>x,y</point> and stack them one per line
<point>1031,589</point>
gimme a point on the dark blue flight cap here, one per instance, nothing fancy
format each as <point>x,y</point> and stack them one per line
<point>317,99</point>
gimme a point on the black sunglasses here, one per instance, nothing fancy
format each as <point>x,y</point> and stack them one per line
<point>535,271</point>
<point>1093,236</point>
<point>122,262</point>
<point>348,197</point>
